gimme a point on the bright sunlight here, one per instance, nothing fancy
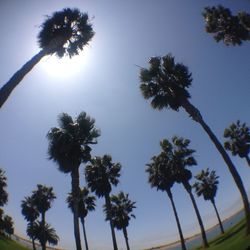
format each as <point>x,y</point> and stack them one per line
<point>65,67</point>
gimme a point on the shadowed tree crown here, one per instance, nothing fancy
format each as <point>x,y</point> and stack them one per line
<point>224,26</point>
<point>101,174</point>
<point>3,185</point>
<point>206,184</point>
<point>165,82</point>
<point>238,135</point>
<point>69,144</point>
<point>66,31</point>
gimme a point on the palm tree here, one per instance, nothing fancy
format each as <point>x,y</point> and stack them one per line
<point>121,212</point>
<point>161,176</point>
<point>30,213</point>
<point>69,146</point>
<point>207,185</point>
<point>43,198</point>
<point>3,185</point>
<point>8,225</point>
<point>44,233</point>
<point>66,32</point>
<point>238,140</point>
<point>224,26</point>
<point>100,175</point>
<point>165,83</point>
<point>86,203</point>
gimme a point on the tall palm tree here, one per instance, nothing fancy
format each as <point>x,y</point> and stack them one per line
<point>207,185</point>
<point>161,176</point>
<point>100,175</point>
<point>166,84</point>
<point>182,158</point>
<point>44,233</point>
<point>43,198</point>
<point>121,212</point>
<point>3,185</point>
<point>238,140</point>
<point>69,146</point>
<point>66,32</point>
<point>86,203</point>
<point>224,26</point>
<point>30,213</point>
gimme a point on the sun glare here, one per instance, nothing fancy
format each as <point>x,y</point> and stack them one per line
<point>65,67</point>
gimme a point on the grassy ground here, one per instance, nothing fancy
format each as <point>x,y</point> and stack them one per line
<point>8,244</point>
<point>233,239</point>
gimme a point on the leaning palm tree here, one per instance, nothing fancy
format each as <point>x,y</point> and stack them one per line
<point>161,176</point>
<point>86,204</point>
<point>207,185</point>
<point>3,185</point>
<point>69,146</point>
<point>66,32</point>
<point>238,140</point>
<point>30,213</point>
<point>44,233</point>
<point>166,84</point>
<point>224,26</point>
<point>182,158</point>
<point>100,175</point>
<point>42,199</point>
<point>121,213</point>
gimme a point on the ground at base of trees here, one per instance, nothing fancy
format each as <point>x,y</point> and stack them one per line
<point>234,238</point>
<point>9,244</point>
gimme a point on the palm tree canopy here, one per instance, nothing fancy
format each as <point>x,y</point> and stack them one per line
<point>3,185</point>
<point>43,197</point>
<point>121,210</point>
<point>66,32</point>
<point>165,82</point>
<point>206,184</point>
<point>8,224</point>
<point>101,174</point>
<point>224,26</point>
<point>69,144</point>
<point>238,139</point>
<point>86,202</point>
<point>29,209</point>
<point>38,233</point>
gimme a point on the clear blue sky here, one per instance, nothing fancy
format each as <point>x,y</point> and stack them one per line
<point>105,84</point>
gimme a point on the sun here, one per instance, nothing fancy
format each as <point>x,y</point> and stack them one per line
<point>65,67</point>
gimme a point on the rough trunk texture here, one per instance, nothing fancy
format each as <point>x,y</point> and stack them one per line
<point>218,217</point>
<point>8,87</point>
<point>75,193</point>
<point>125,233</point>
<point>196,116</point>
<point>44,237</point>
<point>183,246</point>
<point>107,201</point>
<point>203,233</point>
<point>84,233</point>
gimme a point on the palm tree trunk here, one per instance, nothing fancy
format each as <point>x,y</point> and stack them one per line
<point>218,216</point>
<point>203,233</point>
<point>8,87</point>
<point>84,233</point>
<point>125,233</point>
<point>75,192</point>
<point>107,201</point>
<point>248,160</point>
<point>183,246</point>
<point>43,227</point>
<point>196,116</point>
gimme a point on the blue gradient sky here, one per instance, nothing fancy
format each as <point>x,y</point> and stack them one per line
<point>106,86</point>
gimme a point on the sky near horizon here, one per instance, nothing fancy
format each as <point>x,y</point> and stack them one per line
<point>104,82</point>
